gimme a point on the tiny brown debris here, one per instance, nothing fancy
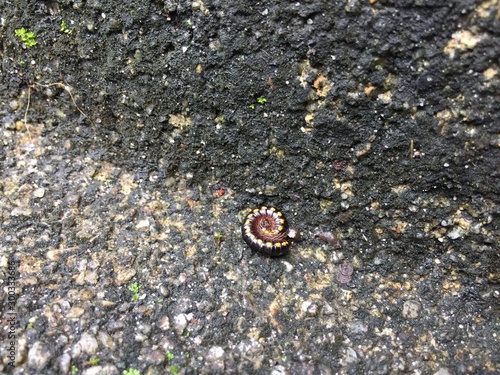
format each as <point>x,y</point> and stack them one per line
<point>339,164</point>
<point>345,271</point>
<point>329,237</point>
<point>344,217</point>
<point>218,238</point>
<point>270,83</point>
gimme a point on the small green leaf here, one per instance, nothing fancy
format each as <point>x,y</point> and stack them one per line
<point>27,37</point>
<point>64,28</point>
<point>134,287</point>
<point>94,361</point>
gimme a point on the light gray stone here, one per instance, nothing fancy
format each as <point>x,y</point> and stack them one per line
<point>38,355</point>
<point>63,363</point>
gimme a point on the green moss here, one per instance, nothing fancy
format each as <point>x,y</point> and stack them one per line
<point>64,28</point>
<point>134,288</point>
<point>28,37</point>
<point>94,361</point>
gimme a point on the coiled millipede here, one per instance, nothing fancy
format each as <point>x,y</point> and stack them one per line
<point>266,230</point>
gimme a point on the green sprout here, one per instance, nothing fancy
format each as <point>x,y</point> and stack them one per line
<point>169,355</point>
<point>28,37</point>
<point>218,238</point>
<point>174,369</point>
<point>74,370</point>
<point>134,288</point>
<point>131,371</point>
<point>189,22</point>
<point>94,361</point>
<point>64,28</point>
<point>219,120</point>
<point>260,100</point>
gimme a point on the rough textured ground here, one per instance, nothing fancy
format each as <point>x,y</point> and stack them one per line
<point>136,136</point>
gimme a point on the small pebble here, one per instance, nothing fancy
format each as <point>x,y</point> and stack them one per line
<point>345,272</point>
<point>312,309</point>
<point>164,291</point>
<point>455,233</point>
<point>329,237</point>
<point>142,225</point>
<point>442,371</point>
<point>38,355</point>
<point>75,312</point>
<point>164,323</point>
<point>14,104</point>
<point>106,340</point>
<point>156,357</point>
<point>63,363</point>
<point>411,309</point>
<point>215,359</point>
<point>180,322</point>
<point>351,356</point>
<point>21,211</point>
<point>139,337</point>
<point>88,344</point>
<point>101,370</point>
<point>327,309</point>
<point>39,192</point>
<point>279,370</point>
<point>124,275</point>
<point>10,125</point>
<point>72,200</point>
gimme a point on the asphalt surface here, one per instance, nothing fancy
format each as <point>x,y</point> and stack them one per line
<point>135,138</point>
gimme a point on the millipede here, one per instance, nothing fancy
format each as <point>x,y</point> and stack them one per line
<point>266,230</point>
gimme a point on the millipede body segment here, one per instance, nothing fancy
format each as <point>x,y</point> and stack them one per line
<point>266,230</point>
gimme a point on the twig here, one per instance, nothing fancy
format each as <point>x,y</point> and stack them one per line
<point>58,84</point>
<point>67,89</point>
<point>26,113</point>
